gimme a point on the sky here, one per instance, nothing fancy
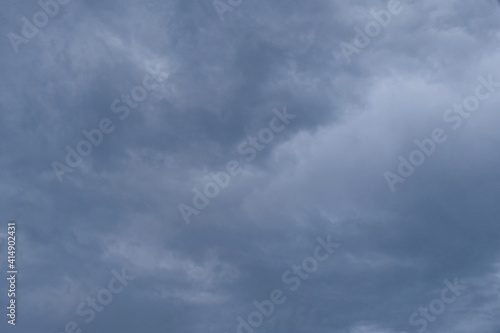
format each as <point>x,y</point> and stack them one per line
<point>251,166</point>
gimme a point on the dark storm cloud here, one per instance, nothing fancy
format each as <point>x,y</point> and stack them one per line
<point>322,175</point>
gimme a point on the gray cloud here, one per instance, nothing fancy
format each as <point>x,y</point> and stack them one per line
<point>323,175</point>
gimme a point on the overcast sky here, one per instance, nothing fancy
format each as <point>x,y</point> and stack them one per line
<point>181,87</point>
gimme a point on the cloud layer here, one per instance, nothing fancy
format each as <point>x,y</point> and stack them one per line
<point>323,174</point>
